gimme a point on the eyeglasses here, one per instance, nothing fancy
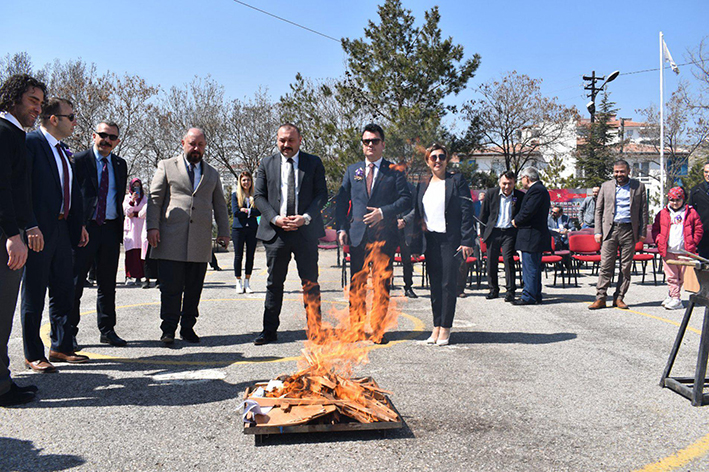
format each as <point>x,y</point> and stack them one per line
<point>437,157</point>
<point>112,137</point>
<point>373,142</point>
<point>71,117</point>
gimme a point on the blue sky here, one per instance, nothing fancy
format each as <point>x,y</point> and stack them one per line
<point>168,43</point>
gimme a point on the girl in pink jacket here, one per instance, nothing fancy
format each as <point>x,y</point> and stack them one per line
<point>677,227</point>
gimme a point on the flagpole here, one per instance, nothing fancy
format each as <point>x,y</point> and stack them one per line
<point>662,123</point>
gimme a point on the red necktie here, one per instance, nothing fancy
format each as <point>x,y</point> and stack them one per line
<point>65,174</point>
<point>370,180</point>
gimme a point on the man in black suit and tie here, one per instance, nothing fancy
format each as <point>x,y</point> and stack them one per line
<point>21,98</point>
<point>500,206</point>
<point>290,192</point>
<point>372,194</point>
<point>533,237</point>
<point>102,177</point>
<point>57,216</point>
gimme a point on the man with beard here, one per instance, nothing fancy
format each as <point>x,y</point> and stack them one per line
<point>57,214</point>
<point>587,212</point>
<point>621,221</point>
<point>102,177</point>
<point>290,192</point>
<point>699,199</point>
<point>184,192</point>
<point>21,98</point>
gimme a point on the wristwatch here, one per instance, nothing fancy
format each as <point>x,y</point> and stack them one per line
<point>307,219</point>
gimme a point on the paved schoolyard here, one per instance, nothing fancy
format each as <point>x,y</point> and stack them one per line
<point>543,388</point>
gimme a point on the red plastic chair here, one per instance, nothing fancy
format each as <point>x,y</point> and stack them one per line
<point>329,241</point>
<point>555,260</point>
<point>644,258</point>
<point>584,248</point>
<point>346,260</point>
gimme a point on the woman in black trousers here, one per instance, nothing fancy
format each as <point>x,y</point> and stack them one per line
<point>443,211</point>
<point>243,229</point>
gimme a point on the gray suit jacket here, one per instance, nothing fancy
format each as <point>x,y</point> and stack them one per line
<point>183,217</point>
<point>605,209</point>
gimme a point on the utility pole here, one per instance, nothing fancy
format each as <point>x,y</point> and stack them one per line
<point>594,90</point>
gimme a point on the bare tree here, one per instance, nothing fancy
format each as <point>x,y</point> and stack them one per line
<point>700,58</point>
<point>252,126</point>
<point>516,120</point>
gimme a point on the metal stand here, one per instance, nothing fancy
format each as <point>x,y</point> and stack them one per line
<point>691,388</point>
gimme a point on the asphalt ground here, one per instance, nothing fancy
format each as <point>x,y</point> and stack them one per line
<point>552,387</point>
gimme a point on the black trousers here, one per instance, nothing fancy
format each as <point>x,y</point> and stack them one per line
<point>9,290</point>
<point>180,290</point>
<point>406,263</point>
<point>443,272</point>
<point>241,237</point>
<point>501,241</point>
<point>381,282</point>
<point>50,268</point>
<point>105,247</point>
<point>278,255</point>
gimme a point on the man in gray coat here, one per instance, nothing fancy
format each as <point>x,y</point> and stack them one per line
<point>184,193</point>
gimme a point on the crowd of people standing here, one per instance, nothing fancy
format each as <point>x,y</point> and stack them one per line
<point>61,213</point>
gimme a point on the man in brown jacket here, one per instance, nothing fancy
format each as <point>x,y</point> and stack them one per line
<point>184,192</point>
<point>621,221</point>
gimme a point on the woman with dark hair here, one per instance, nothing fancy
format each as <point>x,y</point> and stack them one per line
<point>243,229</point>
<point>443,212</point>
<point>134,240</point>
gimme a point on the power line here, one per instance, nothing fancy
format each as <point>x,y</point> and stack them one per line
<point>656,69</point>
<point>287,21</point>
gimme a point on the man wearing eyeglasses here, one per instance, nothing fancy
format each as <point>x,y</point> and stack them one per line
<point>102,178</point>
<point>372,194</point>
<point>56,224</point>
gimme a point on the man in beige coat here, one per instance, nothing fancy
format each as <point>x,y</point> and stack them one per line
<point>621,221</point>
<point>184,193</point>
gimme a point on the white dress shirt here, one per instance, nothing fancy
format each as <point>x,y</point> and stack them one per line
<point>9,117</point>
<point>285,170</point>
<point>52,141</point>
<point>376,163</point>
<point>197,173</point>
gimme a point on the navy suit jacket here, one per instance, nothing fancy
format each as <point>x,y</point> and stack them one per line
<point>47,192</point>
<point>87,176</point>
<point>312,194</point>
<point>458,213</point>
<point>390,193</point>
<point>532,231</point>
<point>241,219</point>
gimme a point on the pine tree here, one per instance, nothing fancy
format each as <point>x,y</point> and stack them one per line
<point>596,154</point>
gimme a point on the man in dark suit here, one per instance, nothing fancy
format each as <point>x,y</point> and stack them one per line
<point>372,194</point>
<point>290,192</point>
<point>533,237</point>
<point>500,207</point>
<point>699,199</point>
<point>405,239</point>
<point>558,224</point>
<point>21,98</point>
<point>57,215</point>
<point>102,177</point>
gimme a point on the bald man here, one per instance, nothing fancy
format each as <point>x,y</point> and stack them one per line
<point>184,192</point>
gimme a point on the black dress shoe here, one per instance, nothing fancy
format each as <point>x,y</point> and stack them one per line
<point>167,338</point>
<point>493,294</point>
<point>189,335</point>
<point>522,301</point>
<point>113,339</point>
<point>510,297</point>
<point>26,388</point>
<point>75,344</point>
<point>265,338</point>
<point>384,340</point>
<point>410,293</point>
<point>14,396</point>
<point>146,284</point>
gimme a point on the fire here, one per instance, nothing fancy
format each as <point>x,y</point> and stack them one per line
<point>332,352</point>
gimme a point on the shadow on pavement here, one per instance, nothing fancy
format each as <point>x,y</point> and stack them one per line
<point>20,455</point>
<point>480,337</point>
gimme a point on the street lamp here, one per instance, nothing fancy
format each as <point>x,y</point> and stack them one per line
<point>591,106</point>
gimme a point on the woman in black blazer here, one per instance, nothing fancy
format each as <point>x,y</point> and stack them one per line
<point>443,210</point>
<point>243,229</point>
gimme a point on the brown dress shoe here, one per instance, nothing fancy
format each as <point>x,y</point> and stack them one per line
<point>40,365</point>
<point>619,303</point>
<point>598,304</point>
<point>71,358</point>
